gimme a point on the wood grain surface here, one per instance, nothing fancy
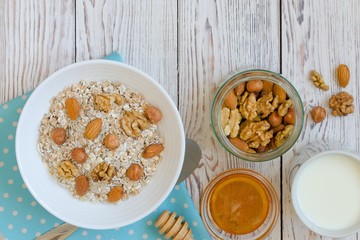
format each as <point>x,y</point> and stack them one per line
<point>190,47</point>
<point>318,35</point>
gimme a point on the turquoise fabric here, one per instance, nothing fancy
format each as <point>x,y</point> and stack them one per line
<point>21,217</point>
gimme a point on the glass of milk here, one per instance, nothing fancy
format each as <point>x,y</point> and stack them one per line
<point>325,193</point>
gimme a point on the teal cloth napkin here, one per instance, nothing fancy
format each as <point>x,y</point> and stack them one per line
<point>21,217</point>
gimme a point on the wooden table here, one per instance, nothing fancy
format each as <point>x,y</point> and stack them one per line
<point>189,47</point>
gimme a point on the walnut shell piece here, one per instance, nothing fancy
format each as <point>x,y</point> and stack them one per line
<point>134,172</point>
<point>103,172</point>
<point>318,114</point>
<point>132,123</point>
<point>58,135</point>
<point>66,169</point>
<point>115,194</point>
<point>341,104</point>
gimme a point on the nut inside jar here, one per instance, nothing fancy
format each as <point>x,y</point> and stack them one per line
<point>261,117</point>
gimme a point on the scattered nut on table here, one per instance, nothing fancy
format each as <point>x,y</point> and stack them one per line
<point>343,74</point>
<point>341,104</point>
<point>318,114</point>
<point>318,80</point>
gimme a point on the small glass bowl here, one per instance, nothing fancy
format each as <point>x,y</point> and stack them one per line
<point>272,214</point>
<point>256,74</point>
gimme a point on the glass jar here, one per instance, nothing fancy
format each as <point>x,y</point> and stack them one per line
<point>233,194</point>
<point>231,83</point>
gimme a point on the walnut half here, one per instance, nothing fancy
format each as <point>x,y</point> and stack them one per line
<point>67,169</point>
<point>256,134</point>
<point>341,104</point>
<point>103,172</point>
<point>133,123</point>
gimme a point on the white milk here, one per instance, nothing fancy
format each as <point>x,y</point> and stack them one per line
<point>328,191</point>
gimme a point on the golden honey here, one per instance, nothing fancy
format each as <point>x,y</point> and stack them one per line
<point>239,203</point>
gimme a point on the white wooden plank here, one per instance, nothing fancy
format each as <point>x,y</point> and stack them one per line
<point>319,35</point>
<point>144,32</point>
<point>217,38</point>
<point>37,38</point>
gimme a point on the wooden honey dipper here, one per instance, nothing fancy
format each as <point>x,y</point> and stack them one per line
<point>173,227</point>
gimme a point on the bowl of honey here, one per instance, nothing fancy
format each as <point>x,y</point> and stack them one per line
<point>240,204</point>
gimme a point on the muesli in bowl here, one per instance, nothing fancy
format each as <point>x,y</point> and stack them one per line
<point>100,140</point>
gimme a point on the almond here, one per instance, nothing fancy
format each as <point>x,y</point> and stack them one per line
<point>231,99</point>
<point>152,150</point>
<point>267,86</point>
<point>115,194</point>
<point>72,107</point>
<point>81,185</point>
<point>79,155</point>
<point>240,144</point>
<point>153,114</point>
<point>58,135</point>
<point>134,172</point>
<point>93,128</point>
<point>239,89</point>
<point>343,74</point>
<point>277,90</point>
<point>111,141</point>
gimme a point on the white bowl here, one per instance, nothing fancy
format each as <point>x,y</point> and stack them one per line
<point>56,199</point>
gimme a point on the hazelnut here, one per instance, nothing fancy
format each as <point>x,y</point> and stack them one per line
<point>58,135</point>
<point>240,144</point>
<point>318,114</point>
<point>111,141</point>
<point>254,86</point>
<point>274,119</point>
<point>134,172</point>
<point>289,117</point>
<point>239,89</point>
<point>153,114</point>
<point>79,155</point>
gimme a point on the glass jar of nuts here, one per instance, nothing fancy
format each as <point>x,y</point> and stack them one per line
<point>257,115</point>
